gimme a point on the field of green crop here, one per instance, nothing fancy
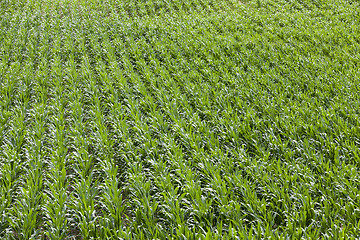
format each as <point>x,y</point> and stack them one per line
<point>180,119</point>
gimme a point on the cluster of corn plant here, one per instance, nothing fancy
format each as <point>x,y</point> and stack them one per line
<point>179,119</point>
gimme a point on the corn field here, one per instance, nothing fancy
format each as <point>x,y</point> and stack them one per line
<point>180,119</point>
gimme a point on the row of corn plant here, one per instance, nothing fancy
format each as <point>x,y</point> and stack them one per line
<point>57,194</point>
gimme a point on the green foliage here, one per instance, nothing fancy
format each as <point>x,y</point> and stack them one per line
<point>179,119</point>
